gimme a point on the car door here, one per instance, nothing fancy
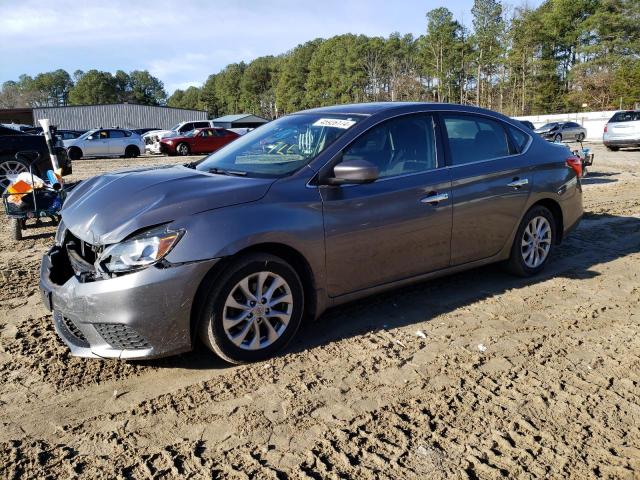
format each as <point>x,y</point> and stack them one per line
<point>201,142</point>
<point>569,131</point>
<point>491,181</point>
<point>117,141</point>
<point>96,144</point>
<point>398,226</point>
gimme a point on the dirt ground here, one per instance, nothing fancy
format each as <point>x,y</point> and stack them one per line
<point>477,375</point>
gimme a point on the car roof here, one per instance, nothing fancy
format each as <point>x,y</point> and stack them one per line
<point>378,107</point>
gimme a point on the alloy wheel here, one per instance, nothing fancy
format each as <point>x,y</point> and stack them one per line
<point>257,311</point>
<point>183,149</point>
<point>536,242</point>
<point>8,171</point>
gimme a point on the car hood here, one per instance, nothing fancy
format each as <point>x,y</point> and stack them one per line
<point>543,130</point>
<point>70,142</point>
<point>108,208</point>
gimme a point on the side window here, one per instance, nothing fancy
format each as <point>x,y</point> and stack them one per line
<point>127,133</point>
<point>519,137</point>
<point>201,125</point>
<point>116,134</point>
<point>187,127</point>
<point>102,134</point>
<point>398,146</point>
<point>474,138</point>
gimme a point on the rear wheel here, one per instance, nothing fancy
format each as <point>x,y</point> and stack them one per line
<point>252,310</point>
<point>74,153</point>
<point>8,170</point>
<point>612,149</point>
<point>131,151</point>
<point>182,149</point>
<point>534,240</point>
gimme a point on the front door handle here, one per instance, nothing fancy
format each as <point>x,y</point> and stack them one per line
<point>435,198</point>
<point>517,183</point>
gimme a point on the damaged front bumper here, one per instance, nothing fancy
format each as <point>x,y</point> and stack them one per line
<point>153,148</point>
<point>143,314</point>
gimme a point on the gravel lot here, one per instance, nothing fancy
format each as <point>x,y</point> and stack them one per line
<point>507,378</point>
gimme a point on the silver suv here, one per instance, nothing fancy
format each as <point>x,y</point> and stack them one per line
<point>105,142</point>
<point>622,130</point>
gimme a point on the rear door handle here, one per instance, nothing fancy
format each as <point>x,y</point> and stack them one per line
<point>435,198</point>
<point>517,183</point>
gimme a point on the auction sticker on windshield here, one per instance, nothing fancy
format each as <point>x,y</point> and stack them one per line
<point>334,122</point>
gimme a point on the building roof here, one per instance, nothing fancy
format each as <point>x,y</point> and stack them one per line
<point>242,117</point>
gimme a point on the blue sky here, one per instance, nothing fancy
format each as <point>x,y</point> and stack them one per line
<point>183,41</point>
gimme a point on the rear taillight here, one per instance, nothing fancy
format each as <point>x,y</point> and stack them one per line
<point>605,128</point>
<point>575,163</point>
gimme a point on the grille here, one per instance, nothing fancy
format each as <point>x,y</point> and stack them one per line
<point>121,336</point>
<point>72,329</point>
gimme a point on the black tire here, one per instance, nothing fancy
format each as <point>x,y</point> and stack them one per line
<point>131,151</point>
<point>16,229</point>
<point>516,263</point>
<point>557,138</point>
<point>74,153</point>
<point>580,137</point>
<point>215,295</point>
<point>183,149</point>
<point>612,149</point>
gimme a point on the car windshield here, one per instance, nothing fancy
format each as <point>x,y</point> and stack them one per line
<point>548,125</point>
<point>86,134</point>
<point>175,127</point>
<point>191,133</point>
<point>280,147</point>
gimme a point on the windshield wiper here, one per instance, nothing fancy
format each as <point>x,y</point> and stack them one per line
<point>220,171</point>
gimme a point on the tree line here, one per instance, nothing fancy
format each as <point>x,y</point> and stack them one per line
<point>58,88</point>
<point>565,55</point>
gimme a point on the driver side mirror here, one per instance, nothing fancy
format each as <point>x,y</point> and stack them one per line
<point>353,172</point>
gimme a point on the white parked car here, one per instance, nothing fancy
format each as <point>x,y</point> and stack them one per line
<point>105,142</point>
<point>622,130</point>
<point>152,139</point>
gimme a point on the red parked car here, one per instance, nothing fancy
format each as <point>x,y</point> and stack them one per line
<point>200,140</point>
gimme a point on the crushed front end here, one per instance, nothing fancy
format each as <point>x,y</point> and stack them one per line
<point>144,313</point>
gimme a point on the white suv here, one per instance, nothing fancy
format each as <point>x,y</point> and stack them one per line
<point>105,142</point>
<point>622,130</point>
<point>152,139</point>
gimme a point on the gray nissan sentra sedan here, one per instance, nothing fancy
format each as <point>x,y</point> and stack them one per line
<point>307,212</point>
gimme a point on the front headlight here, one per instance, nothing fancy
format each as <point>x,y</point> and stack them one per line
<point>140,251</point>
<point>170,142</point>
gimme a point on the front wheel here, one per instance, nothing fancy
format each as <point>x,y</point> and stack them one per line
<point>580,137</point>
<point>557,138</point>
<point>534,240</point>
<point>74,153</point>
<point>612,149</point>
<point>252,310</point>
<point>182,149</point>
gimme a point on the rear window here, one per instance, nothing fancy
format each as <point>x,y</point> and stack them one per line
<point>519,137</point>
<point>473,138</point>
<point>626,116</point>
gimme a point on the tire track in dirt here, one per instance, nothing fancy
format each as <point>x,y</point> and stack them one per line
<point>554,394</point>
<point>37,354</point>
